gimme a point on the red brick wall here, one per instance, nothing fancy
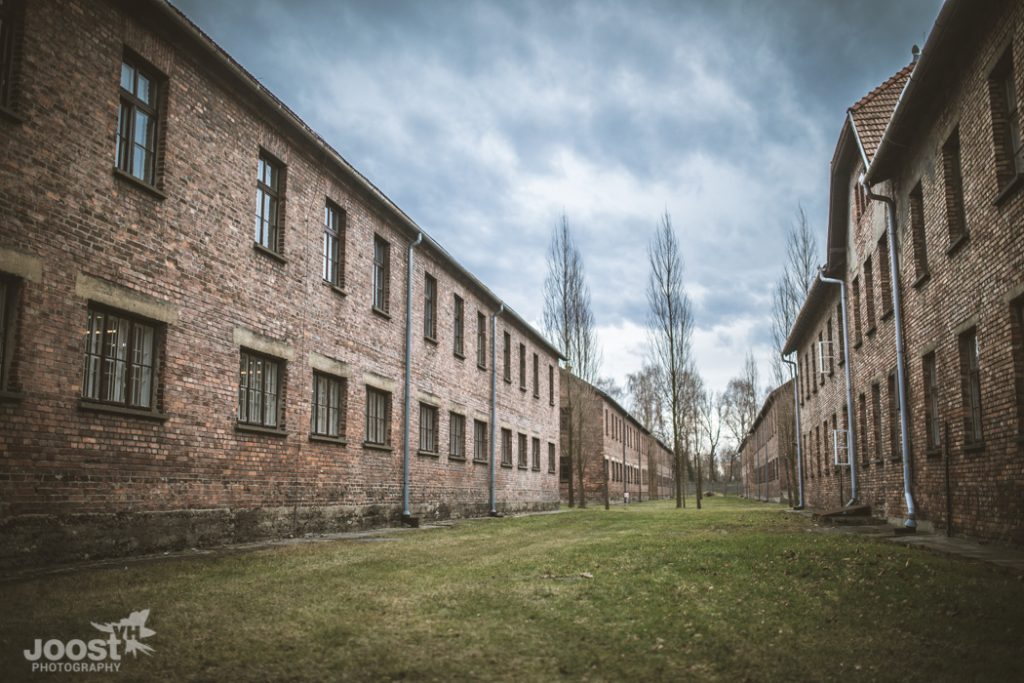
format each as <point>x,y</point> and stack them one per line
<point>971,285</point>
<point>62,207</point>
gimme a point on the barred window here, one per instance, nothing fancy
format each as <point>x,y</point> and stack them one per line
<point>458,333</point>
<point>479,441</point>
<point>268,203</point>
<point>120,358</point>
<point>334,245</point>
<point>456,436</point>
<point>536,454</point>
<point>522,452</point>
<point>970,378</point>
<point>381,274</point>
<point>259,390</point>
<point>378,417</point>
<point>506,447</point>
<point>1017,348</point>
<point>1006,121</point>
<point>565,468</point>
<point>551,384</point>
<point>428,428</point>
<point>429,307</point>
<point>327,417</point>
<point>876,414</point>
<point>137,122</point>
<point>522,367</point>
<point>9,19</point>
<point>536,376</point>
<point>931,402</point>
<point>7,290</point>
<point>507,357</point>
<point>481,340</point>
<point>869,294</point>
<point>952,171</point>
<point>551,458</point>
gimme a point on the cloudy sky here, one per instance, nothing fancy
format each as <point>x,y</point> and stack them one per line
<point>485,121</point>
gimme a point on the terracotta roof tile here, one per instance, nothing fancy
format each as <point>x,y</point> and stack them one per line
<point>872,112</point>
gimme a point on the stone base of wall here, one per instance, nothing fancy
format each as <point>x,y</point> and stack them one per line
<point>39,540</point>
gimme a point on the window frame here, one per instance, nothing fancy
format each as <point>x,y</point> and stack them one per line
<point>102,373</point>
<point>479,441</point>
<point>273,240</point>
<point>551,458</point>
<point>132,103</point>
<point>11,27</point>
<point>334,245</point>
<point>970,380</point>
<point>523,461</point>
<point>9,294</point>
<point>381,276</point>
<point>456,436</point>
<point>953,178</point>
<point>245,396</point>
<point>507,357</point>
<point>379,399</point>
<point>932,415</point>
<point>481,340</point>
<point>535,454</point>
<point>315,429</point>
<point>459,326</point>
<point>429,307</point>
<point>429,428</point>
<point>506,447</point>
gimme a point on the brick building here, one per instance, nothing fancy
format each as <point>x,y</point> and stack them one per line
<point>768,453</point>
<point>183,366</point>
<point>636,460</point>
<point>942,140</point>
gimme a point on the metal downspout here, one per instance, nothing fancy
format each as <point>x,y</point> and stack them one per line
<point>494,409</point>
<point>890,229</point>
<point>851,431</point>
<point>408,376</point>
<point>796,412</point>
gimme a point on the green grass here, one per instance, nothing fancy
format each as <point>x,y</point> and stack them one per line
<point>738,591</point>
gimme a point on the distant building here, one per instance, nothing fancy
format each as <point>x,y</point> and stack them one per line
<point>942,138</point>
<point>768,453</point>
<point>613,441</point>
<point>203,313</point>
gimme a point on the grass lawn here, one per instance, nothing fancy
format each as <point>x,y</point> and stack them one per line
<point>739,591</point>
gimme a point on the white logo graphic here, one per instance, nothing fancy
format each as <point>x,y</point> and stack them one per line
<point>102,654</point>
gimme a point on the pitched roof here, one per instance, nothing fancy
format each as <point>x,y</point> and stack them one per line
<point>872,112</point>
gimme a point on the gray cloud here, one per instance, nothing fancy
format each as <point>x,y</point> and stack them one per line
<point>484,121</point>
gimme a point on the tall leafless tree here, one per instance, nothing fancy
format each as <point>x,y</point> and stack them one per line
<point>711,416</point>
<point>740,409</point>
<point>646,402</point>
<point>671,329</point>
<point>569,320</point>
<point>790,290</point>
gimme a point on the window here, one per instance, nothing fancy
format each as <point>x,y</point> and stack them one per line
<point>916,201</point>
<point>551,458</point>
<point>522,451</point>
<point>429,307</point>
<point>458,333</point>
<point>952,171</point>
<point>378,417</point>
<point>522,367</point>
<point>1006,121</point>
<point>857,338</point>
<point>334,245</point>
<point>9,21</point>
<point>456,436</point>
<point>883,274</point>
<point>551,385</point>
<point>259,390</point>
<point>876,413</point>
<point>507,356</point>
<point>970,379</point>
<point>862,437</point>
<point>428,428</point>
<point>536,376</point>
<point>381,275</point>
<point>831,350</point>
<point>136,122</point>
<point>869,294</point>
<point>841,348</point>
<point>7,293</point>
<point>120,360</point>
<point>931,402</point>
<point>479,441</point>
<point>819,366</point>
<point>894,416</point>
<point>327,417</point>
<point>481,340</point>
<point>1017,348</point>
<point>268,203</point>
<point>565,468</point>
<point>506,447</point>
<point>536,454</point>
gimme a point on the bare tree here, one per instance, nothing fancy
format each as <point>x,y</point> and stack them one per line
<point>609,386</point>
<point>711,414</point>
<point>790,290</point>
<point>670,326</point>
<point>569,320</point>
<point>693,387</point>
<point>646,400</point>
<point>740,409</point>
